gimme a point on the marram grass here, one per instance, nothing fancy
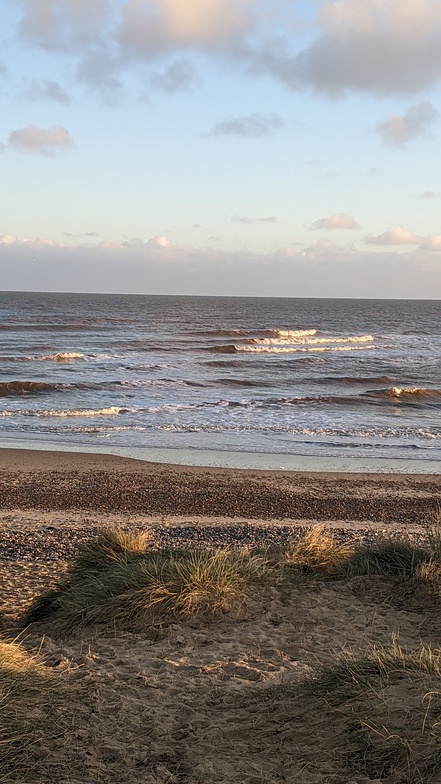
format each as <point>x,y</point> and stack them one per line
<point>136,588</point>
<point>316,551</point>
<point>28,690</point>
<point>118,579</point>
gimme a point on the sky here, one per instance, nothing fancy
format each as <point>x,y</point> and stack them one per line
<point>221,147</point>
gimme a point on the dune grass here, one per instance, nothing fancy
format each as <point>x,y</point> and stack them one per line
<point>376,716</point>
<point>389,706</point>
<point>118,579</point>
<point>28,690</point>
<point>316,552</point>
<point>130,586</point>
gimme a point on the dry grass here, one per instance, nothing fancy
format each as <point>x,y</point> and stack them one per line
<point>372,716</point>
<point>316,551</point>
<point>134,589</point>
<point>378,716</point>
<point>28,690</point>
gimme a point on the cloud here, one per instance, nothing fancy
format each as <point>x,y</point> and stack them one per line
<point>430,195</point>
<point>43,141</point>
<point>323,246</point>
<point>402,236</point>
<point>248,125</point>
<point>384,46</point>
<point>389,47</point>
<point>138,266</point>
<point>242,219</point>
<point>149,29</point>
<point>248,221</point>
<point>398,129</point>
<point>64,24</point>
<point>84,234</point>
<point>179,76</point>
<point>338,221</point>
<point>47,90</point>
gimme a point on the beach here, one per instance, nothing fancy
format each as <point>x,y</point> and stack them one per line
<point>185,702</point>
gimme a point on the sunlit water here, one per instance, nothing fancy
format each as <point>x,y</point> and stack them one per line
<point>335,378</point>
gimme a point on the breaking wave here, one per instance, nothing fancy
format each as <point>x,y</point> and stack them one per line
<point>86,412</point>
<point>406,395</point>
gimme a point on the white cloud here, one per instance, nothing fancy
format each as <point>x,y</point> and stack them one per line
<point>248,125</point>
<point>384,46</point>
<point>248,221</point>
<point>402,236</point>
<point>64,24</point>
<point>338,221</point>
<point>43,141</point>
<point>389,47</point>
<point>160,26</point>
<point>398,129</point>
<point>323,245</point>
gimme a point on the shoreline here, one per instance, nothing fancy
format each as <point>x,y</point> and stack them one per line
<point>256,461</point>
<point>103,484</point>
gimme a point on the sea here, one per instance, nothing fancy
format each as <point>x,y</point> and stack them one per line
<point>251,382</point>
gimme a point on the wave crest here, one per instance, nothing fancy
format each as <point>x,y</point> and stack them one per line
<point>10,388</point>
<point>407,394</point>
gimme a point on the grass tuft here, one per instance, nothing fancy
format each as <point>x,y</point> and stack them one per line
<point>316,551</point>
<point>28,689</point>
<point>386,558</point>
<point>134,588</point>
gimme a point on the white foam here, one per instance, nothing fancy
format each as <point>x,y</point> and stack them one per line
<point>86,412</point>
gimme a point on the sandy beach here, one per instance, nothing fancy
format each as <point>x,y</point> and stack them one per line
<point>187,703</point>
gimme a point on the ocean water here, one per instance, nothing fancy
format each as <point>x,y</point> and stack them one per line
<point>305,377</point>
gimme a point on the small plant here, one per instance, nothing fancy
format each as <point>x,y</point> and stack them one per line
<point>111,544</point>
<point>316,551</point>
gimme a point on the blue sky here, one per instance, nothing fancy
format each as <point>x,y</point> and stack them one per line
<point>221,147</point>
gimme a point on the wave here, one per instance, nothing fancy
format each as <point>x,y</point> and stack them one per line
<point>61,356</point>
<point>85,412</point>
<point>352,380</point>
<point>10,388</point>
<point>239,382</point>
<point>255,333</point>
<point>305,338</point>
<point>406,395</point>
<point>277,349</point>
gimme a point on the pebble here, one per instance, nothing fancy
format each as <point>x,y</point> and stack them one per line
<point>52,544</point>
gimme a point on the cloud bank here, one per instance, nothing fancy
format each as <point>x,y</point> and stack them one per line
<point>158,266</point>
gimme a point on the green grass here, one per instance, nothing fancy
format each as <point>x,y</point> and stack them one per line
<point>386,558</point>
